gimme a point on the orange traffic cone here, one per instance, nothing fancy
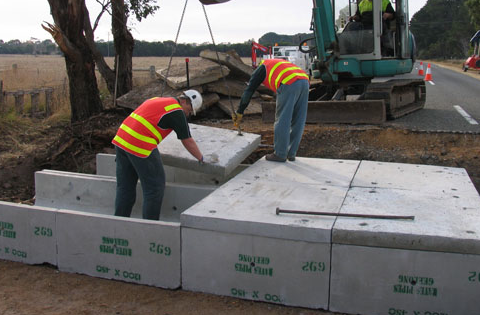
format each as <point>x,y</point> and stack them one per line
<point>428,76</point>
<point>420,70</point>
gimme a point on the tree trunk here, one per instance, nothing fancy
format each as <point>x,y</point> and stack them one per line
<point>124,43</point>
<point>107,73</point>
<point>68,16</point>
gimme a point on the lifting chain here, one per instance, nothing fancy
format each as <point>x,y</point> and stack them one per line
<point>221,69</point>
<point>174,49</point>
<point>218,59</point>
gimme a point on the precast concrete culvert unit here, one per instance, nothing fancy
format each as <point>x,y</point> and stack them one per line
<point>392,238</point>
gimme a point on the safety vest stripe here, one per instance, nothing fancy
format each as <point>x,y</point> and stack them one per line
<point>132,147</point>
<point>135,134</point>
<point>273,70</point>
<point>282,72</point>
<point>294,75</point>
<point>171,107</point>
<point>147,125</point>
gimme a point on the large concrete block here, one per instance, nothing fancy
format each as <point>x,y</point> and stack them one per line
<point>27,234</point>
<point>427,265</point>
<point>106,166</point>
<point>238,222</point>
<point>96,194</point>
<point>379,281</point>
<point>256,268</point>
<point>131,250</point>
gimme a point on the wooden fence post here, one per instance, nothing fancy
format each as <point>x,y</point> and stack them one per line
<point>35,100</point>
<point>48,101</point>
<point>1,97</point>
<point>19,101</point>
<point>153,74</point>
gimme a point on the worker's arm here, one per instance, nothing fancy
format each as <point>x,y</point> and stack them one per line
<point>389,12</point>
<point>177,121</point>
<point>255,81</point>
<point>192,147</point>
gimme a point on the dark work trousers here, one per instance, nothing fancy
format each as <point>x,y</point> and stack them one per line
<point>150,171</point>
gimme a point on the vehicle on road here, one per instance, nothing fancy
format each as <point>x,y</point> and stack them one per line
<point>473,62</point>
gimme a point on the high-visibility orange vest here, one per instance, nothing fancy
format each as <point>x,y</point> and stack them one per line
<point>139,133</point>
<point>280,71</point>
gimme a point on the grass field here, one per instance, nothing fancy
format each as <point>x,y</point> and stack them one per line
<point>28,72</point>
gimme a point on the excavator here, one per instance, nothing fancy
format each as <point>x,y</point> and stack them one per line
<point>354,65</point>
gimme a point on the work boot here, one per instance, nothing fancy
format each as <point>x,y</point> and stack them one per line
<point>274,158</point>
<point>291,158</point>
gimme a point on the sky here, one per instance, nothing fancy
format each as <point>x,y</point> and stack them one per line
<point>235,21</point>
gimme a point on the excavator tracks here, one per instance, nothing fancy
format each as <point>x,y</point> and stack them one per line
<point>401,96</point>
<point>381,101</point>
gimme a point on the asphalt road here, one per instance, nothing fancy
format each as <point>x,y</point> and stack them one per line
<point>453,103</point>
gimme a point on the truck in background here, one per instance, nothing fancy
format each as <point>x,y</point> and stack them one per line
<point>292,54</point>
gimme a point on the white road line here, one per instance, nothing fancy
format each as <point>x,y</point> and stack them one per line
<point>465,115</point>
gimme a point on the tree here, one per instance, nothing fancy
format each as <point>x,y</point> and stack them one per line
<point>442,29</point>
<point>474,12</point>
<point>74,35</point>
<point>69,36</point>
<point>123,40</point>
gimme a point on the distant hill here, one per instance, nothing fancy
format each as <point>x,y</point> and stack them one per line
<point>442,29</point>
<point>271,38</point>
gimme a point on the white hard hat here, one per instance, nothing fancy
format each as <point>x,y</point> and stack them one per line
<point>195,99</point>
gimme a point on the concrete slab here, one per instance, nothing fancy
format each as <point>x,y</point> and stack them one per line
<point>247,203</point>
<point>378,281</point>
<point>223,145</point>
<point>131,250</point>
<point>96,194</point>
<point>256,268</point>
<point>106,166</point>
<point>27,234</point>
<point>413,177</point>
<point>444,222</point>
<point>329,172</point>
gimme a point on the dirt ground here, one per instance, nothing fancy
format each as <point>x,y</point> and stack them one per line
<point>31,145</point>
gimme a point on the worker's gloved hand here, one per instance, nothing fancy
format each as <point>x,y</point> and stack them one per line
<point>237,119</point>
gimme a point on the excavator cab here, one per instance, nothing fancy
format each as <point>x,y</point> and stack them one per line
<point>350,51</point>
<point>371,36</point>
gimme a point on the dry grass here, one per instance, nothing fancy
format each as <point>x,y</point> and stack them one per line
<point>28,72</point>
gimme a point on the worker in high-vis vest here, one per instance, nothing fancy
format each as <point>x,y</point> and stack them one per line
<point>137,155</point>
<point>364,13</point>
<point>291,85</point>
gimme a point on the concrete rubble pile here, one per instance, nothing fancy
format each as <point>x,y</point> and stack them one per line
<point>219,77</point>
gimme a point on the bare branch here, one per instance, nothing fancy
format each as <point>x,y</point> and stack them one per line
<point>62,41</point>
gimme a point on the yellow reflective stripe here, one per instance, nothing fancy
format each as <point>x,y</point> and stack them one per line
<point>171,107</point>
<point>282,72</point>
<point>135,134</point>
<point>294,75</point>
<point>131,147</point>
<point>147,125</point>
<point>273,70</point>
